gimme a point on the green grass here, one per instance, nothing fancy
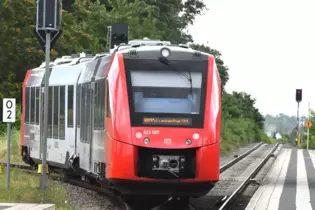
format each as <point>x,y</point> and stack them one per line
<point>24,189</point>
<point>24,186</point>
<point>15,147</point>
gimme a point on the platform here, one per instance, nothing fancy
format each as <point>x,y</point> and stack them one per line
<point>290,183</point>
<point>26,206</point>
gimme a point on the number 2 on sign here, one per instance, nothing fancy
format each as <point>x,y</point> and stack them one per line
<point>8,110</point>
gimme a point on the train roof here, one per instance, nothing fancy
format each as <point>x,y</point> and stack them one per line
<point>71,69</point>
<point>139,44</point>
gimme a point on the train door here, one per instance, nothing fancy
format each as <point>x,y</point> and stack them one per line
<point>56,142</point>
<point>33,118</point>
<point>85,126</point>
<point>108,125</point>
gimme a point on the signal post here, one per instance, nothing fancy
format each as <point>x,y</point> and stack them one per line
<point>48,25</point>
<point>298,99</point>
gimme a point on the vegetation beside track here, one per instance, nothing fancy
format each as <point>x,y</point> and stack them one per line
<point>15,147</point>
<point>24,189</point>
<point>24,186</point>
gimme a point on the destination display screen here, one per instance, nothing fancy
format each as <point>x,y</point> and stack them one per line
<point>166,121</point>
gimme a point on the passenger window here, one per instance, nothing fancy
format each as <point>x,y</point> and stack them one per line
<point>70,106</point>
<point>107,100</point>
<point>27,105</point>
<point>62,104</point>
<point>55,112</point>
<point>78,106</point>
<point>50,112</point>
<point>37,105</point>
<point>95,105</point>
<point>32,105</point>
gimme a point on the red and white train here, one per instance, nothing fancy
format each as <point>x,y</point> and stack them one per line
<point>144,118</point>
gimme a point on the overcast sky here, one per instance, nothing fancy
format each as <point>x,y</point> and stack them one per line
<point>269,47</point>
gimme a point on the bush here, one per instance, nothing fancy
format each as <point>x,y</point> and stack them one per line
<point>311,143</point>
<point>239,132</point>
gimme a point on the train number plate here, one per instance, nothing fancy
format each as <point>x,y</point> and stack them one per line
<point>151,132</point>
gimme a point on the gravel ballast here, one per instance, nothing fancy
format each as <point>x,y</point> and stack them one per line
<point>83,199</point>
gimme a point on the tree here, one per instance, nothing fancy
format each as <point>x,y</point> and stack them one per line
<point>223,70</point>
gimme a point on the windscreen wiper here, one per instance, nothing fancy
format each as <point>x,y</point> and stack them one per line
<point>189,78</point>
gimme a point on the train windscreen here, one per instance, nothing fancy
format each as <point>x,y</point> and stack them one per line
<point>166,92</point>
<point>166,95</point>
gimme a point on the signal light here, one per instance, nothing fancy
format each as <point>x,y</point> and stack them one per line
<point>119,34</point>
<point>298,95</point>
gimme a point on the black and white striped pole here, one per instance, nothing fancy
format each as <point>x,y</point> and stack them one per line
<point>8,115</point>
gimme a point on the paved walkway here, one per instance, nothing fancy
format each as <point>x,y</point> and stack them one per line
<point>23,206</point>
<point>289,185</point>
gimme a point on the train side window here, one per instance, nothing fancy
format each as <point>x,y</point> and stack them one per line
<point>78,105</point>
<point>50,112</point>
<point>27,105</point>
<point>96,98</point>
<point>32,113</point>
<point>102,106</point>
<point>85,113</point>
<point>89,113</point>
<point>62,117</point>
<point>107,100</point>
<point>56,112</point>
<point>70,106</point>
<point>82,112</point>
<point>37,105</point>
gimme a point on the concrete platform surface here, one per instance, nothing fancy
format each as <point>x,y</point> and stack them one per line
<point>26,206</point>
<point>290,183</point>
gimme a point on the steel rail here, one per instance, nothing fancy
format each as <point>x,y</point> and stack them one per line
<point>232,197</point>
<point>235,160</point>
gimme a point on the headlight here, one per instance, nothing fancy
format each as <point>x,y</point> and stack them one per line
<point>188,141</point>
<point>146,140</point>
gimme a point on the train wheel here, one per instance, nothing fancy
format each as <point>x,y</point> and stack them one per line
<point>64,176</point>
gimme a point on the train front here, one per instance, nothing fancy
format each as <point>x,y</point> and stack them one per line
<point>166,122</point>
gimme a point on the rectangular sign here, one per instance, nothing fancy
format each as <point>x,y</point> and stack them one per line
<point>166,121</point>
<point>8,114</point>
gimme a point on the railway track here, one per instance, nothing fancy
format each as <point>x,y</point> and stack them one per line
<point>171,203</point>
<point>247,180</point>
<point>225,202</point>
